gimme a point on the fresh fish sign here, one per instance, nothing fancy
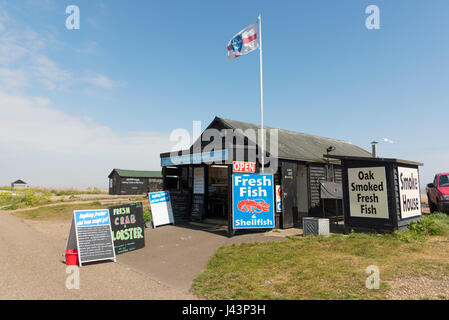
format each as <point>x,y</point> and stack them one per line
<point>253,201</point>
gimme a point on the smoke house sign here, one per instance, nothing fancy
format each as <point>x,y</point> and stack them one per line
<point>409,192</point>
<point>368,192</point>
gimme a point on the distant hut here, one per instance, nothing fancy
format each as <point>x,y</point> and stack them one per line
<point>122,181</point>
<point>19,184</point>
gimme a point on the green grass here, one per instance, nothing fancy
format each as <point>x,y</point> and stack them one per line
<point>23,199</point>
<point>73,192</point>
<point>62,192</point>
<point>325,268</point>
<point>58,212</point>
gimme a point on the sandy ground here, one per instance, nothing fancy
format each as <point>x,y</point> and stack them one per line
<point>31,268</point>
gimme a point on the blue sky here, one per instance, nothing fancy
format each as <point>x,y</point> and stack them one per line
<point>81,102</point>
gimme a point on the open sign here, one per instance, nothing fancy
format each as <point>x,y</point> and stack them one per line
<point>244,167</point>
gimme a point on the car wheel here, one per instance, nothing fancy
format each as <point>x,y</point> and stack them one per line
<point>432,207</point>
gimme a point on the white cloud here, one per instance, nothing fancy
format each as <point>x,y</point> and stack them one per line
<point>89,48</point>
<point>23,55</point>
<point>100,80</point>
<point>74,151</point>
<point>49,73</point>
<point>12,78</point>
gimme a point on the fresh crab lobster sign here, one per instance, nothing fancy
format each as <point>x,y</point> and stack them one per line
<point>253,201</point>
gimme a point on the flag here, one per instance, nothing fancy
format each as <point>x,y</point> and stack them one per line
<point>243,42</point>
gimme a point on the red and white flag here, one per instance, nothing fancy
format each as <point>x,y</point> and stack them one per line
<point>243,42</point>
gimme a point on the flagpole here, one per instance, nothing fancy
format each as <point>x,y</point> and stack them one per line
<point>261,93</point>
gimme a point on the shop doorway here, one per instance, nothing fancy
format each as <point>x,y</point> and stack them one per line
<point>302,190</point>
<point>217,194</point>
<point>289,215</point>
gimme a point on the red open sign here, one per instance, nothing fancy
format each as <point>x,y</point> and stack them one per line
<point>244,167</point>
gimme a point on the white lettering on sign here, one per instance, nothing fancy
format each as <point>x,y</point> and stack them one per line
<point>368,192</point>
<point>252,187</point>
<point>409,195</point>
<point>244,167</point>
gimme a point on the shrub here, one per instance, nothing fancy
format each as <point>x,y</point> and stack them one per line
<point>147,215</point>
<point>435,224</point>
<point>23,199</point>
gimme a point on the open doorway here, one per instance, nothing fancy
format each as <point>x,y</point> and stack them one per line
<point>217,194</point>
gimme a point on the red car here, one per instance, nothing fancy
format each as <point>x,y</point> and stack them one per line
<point>438,193</point>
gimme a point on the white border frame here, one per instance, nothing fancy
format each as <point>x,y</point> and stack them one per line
<point>272,195</point>
<point>77,242</point>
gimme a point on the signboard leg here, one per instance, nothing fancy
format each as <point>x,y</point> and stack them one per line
<point>230,215</point>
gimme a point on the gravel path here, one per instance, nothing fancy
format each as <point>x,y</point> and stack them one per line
<point>418,287</point>
<point>31,268</point>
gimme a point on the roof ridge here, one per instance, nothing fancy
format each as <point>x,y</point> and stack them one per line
<point>307,134</point>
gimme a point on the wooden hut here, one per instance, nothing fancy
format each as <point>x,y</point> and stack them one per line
<point>123,181</point>
<point>19,184</point>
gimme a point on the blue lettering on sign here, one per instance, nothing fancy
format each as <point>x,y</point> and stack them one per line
<point>252,201</point>
<point>159,197</point>
<point>91,218</point>
<point>195,158</point>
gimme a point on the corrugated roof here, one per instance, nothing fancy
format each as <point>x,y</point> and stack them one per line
<point>301,146</point>
<point>137,173</point>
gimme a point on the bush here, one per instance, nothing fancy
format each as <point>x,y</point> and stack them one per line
<point>24,199</point>
<point>147,215</point>
<point>435,224</point>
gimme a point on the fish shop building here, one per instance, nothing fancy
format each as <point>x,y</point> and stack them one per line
<point>199,179</point>
<point>122,181</point>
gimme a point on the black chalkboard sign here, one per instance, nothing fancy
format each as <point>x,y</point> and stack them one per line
<point>127,227</point>
<point>197,206</point>
<point>91,234</point>
<point>180,202</point>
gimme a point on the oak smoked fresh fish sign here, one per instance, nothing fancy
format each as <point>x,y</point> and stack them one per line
<point>368,192</point>
<point>252,201</point>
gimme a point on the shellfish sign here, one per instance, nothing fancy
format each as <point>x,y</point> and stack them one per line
<point>252,201</point>
<point>368,192</point>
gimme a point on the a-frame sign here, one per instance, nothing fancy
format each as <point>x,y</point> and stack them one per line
<point>90,233</point>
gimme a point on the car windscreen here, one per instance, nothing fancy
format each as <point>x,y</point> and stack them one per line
<point>444,181</point>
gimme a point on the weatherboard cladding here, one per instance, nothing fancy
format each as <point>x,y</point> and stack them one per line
<point>317,173</point>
